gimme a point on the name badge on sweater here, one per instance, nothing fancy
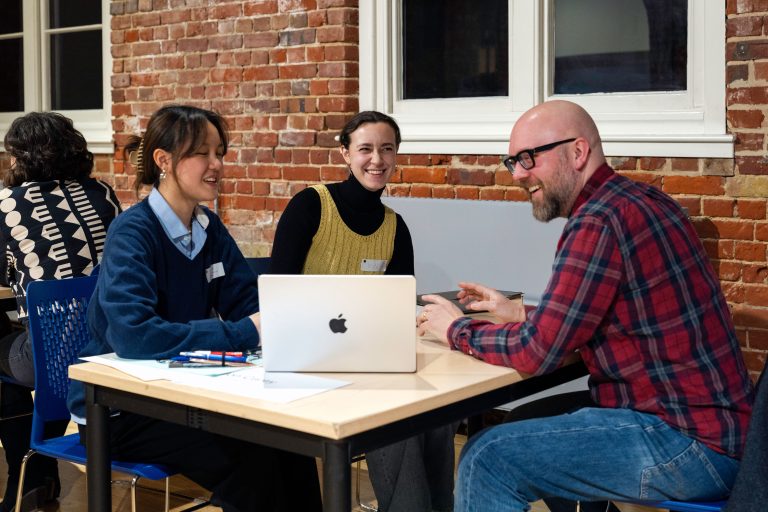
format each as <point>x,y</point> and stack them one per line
<point>373,265</point>
<point>214,271</point>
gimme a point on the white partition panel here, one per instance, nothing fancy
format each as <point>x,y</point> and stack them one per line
<point>497,243</point>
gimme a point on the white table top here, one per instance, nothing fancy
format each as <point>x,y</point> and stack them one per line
<point>372,399</point>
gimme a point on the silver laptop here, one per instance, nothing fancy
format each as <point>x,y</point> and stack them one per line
<point>338,323</point>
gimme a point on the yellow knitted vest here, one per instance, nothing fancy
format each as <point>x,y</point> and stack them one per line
<point>336,249</point>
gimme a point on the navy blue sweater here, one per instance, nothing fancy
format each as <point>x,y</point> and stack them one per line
<point>151,301</point>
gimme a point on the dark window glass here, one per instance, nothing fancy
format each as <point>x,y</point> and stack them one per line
<point>455,49</point>
<point>10,19</point>
<point>76,70</point>
<point>12,84</point>
<point>620,46</point>
<point>73,13</point>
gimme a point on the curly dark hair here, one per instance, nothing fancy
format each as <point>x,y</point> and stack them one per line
<point>178,129</point>
<point>46,146</point>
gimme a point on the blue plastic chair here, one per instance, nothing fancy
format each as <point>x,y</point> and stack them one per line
<point>57,327</point>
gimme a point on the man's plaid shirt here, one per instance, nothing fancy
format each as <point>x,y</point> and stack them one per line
<point>633,291</point>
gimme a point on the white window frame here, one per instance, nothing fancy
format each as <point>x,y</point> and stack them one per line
<point>690,123</point>
<point>94,124</point>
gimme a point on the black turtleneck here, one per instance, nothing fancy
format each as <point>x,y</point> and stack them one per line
<point>360,209</point>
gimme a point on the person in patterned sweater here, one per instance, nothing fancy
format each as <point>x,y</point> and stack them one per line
<point>53,223</point>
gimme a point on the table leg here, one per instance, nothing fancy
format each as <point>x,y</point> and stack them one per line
<point>474,424</point>
<point>98,467</point>
<point>337,477</point>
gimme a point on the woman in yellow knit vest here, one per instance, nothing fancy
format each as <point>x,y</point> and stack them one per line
<point>344,228</point>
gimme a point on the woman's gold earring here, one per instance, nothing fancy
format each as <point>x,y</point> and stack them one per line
<point>162,174</point>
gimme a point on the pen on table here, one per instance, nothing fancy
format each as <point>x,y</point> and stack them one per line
<point>195,362</point>
<point>213,353</point>
<point>190,364</point>
<point>228,356</point>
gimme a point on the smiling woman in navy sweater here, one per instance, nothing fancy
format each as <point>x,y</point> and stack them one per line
<point>173,279</point>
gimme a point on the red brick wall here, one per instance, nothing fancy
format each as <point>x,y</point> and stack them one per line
<point>285,74</point>
<point>738,215</point>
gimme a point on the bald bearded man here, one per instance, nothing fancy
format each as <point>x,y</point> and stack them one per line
<point>632,290</point>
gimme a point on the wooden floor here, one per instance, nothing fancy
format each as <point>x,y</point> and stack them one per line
<point>150,496</point>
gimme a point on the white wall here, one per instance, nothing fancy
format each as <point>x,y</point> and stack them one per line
<point>497,243</point>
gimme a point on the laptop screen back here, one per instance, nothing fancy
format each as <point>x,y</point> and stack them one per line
<point>338,323</point>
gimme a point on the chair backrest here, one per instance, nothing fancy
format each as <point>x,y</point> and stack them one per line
<point>58,331</point>
<point>750,491</point>
<point>258,265</point>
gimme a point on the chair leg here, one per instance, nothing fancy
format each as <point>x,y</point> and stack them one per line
<point>15,416</point>
<point>22,474</point>
<point>357,483</point>
<point>364,506</point>
<point>167,493</point>
<point>133,492</point>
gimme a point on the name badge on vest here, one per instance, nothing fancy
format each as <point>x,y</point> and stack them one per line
<point>373,265</point>
<point>214,271</point>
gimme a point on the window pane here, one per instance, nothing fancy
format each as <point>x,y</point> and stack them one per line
<point>620,46</point>
<point>76,71</point>
<point>66,13</point>
<point>10,20</point>
<point>454,49</point>
<point>12,84</point>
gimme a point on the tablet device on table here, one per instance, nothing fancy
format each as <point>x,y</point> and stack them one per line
<point>451,295</point>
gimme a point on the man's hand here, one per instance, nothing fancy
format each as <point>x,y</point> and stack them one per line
<point>482,298</point>
<point>436,317</point>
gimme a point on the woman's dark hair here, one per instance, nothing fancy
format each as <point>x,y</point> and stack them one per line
<point>177,129</point>
<point>367,116</point>
<point>46,146</point>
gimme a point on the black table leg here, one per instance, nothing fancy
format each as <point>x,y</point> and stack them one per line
<point>337,477</point>
<point>474,424</point>
<point>98,467</point>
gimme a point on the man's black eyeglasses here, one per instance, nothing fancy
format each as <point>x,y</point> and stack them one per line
<point>525,157</point>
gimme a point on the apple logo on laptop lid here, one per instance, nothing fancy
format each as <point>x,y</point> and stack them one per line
<point>338,324</point>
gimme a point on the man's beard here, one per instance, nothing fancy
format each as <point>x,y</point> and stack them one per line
<point>547,209</point>
<point>557,196</point>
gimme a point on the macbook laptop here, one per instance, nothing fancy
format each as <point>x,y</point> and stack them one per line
<point>338,323</point>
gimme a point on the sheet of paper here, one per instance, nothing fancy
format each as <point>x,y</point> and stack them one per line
<point>253,382</point>
<point>150,369</point>
<point>248,381</point>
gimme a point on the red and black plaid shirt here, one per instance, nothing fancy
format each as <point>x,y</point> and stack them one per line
<point>634,292</point>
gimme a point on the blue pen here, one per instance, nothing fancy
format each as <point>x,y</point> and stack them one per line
<point>213,357</point>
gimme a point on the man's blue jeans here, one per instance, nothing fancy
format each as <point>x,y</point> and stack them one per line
<point>593,454</point>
